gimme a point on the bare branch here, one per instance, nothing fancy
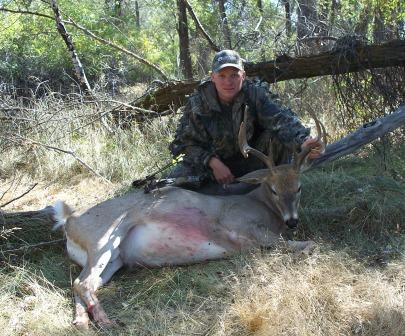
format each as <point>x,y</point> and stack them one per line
<point>78,67</point>
<point>18,197</point>
<point>2,9</point>
<point>33,142</point>
<point>199,26</point>
<point>364,135</point>
<point>33,246</point>
<point>116,46</point>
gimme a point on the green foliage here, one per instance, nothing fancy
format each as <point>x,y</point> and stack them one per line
<point>31,48</point>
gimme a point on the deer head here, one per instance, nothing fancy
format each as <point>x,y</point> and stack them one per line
<point>280,185</point>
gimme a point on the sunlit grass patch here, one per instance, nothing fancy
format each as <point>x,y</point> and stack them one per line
<point>324,294</point>
<point>31,305</point>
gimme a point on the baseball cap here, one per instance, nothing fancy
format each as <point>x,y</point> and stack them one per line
<point>226,58</point>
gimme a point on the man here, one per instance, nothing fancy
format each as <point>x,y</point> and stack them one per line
<point>208,131</point>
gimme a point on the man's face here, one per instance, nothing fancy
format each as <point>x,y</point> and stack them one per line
<point>228,82</point>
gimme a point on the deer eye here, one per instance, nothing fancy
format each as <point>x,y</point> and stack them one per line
<point>273,191</point>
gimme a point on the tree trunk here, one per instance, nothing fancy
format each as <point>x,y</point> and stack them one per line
<point>184,43</point>
<point>307,24</point>
<point>362,136</point>
<point>364,21</point>
<point>287,9</point>
<point>378,27</point>
<point>78,67</point>
<point>262,50</point>
<point>137,18</point>
<point>225,25</point>
<point>284,68</point>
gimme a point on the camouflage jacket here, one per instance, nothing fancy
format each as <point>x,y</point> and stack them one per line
<point>206,129</point>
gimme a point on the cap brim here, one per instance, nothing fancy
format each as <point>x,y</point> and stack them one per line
<point>226,65</point>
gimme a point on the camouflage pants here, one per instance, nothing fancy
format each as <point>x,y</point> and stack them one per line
<point>238,165</point>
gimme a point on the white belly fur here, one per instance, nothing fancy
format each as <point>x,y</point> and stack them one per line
<point>76,253</point>
<point>160,245</point>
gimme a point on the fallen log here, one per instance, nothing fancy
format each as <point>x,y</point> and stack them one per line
<point>357,57</point>
<point>362,136</point>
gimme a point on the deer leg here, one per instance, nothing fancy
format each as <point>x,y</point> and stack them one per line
<point>81,320</point>
<point>97,271</point>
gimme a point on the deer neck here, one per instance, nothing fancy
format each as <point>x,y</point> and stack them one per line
<point>262,194</point>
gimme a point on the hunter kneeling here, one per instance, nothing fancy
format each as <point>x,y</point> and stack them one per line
<point>207,134</point>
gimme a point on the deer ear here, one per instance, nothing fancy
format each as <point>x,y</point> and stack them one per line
<point>255,177</point>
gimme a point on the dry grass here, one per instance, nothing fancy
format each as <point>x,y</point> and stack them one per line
<point>325,294</point>
<point>31,305</point>
<point>116,154</point>
<point>338,290</point>
<point>272,293</point>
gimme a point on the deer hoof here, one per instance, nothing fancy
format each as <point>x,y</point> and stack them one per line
<point>81,324</point>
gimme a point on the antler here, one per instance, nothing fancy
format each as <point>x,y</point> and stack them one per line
<point>321,137</point>
<point>246,149</point>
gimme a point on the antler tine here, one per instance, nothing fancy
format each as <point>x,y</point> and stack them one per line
<point>246,149</point>
<point>320,129</point>
<point>321,136</point>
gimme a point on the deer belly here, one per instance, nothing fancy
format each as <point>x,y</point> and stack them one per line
<point>157,244</point>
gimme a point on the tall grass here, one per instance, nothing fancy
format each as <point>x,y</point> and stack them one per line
<point>56,138</point>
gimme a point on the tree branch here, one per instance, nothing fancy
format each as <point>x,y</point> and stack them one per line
<point>78,67</point>
<point>284,68</point>
<point>33,142</point>
<point>199,26</point>
<point>95,37</point>
<point>116,46</point>
<point>18,197</point>
<point>362,136</point>
<point>2,9</point>
<point>33,246</point>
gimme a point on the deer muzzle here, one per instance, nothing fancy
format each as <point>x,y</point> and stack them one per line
<point>292,223</point>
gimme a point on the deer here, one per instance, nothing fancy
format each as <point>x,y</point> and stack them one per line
<point>175,226</point>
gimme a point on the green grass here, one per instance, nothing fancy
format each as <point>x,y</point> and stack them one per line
<point>351,204</point>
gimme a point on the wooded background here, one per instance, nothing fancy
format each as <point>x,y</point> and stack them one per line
<point>124,41</point>
<point>89,92</point>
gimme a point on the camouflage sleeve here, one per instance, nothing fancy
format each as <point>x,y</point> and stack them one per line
<point>281,122</point>
<point>192,139</point>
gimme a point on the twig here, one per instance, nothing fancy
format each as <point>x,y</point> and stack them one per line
<point>8,189</point>
<point>27,247</point>
<point>66,152</point>
<point>18,197</point>
<point>3,9</point>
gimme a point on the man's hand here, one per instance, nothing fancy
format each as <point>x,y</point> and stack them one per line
<point>317,147</point>
<point>221,172</point>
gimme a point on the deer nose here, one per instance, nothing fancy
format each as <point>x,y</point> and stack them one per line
<point>292,223</point>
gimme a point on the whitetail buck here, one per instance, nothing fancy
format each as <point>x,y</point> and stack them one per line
<point>174,226</point>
